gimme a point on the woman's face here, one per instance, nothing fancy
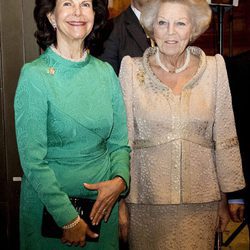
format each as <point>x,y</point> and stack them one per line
<point>74,19</point>
<point>172,28</point>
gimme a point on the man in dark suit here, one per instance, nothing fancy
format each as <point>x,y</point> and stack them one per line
<point>238,68</point>
<point>127,36</point>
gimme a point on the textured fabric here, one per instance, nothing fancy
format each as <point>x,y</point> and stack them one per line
<point>185,148</point>
<point>71,129</point>
<point>172,227</point>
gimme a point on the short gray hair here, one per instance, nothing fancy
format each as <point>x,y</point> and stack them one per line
<point>199,9</point>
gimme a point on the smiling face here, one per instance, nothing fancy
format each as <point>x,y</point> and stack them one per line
<point>172,28</point>
<point>74,19</point>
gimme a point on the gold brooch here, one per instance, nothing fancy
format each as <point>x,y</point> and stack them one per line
<point>140,76</point>
<point>51,71</point>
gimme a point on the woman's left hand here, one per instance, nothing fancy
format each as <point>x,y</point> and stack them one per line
<point>108,193</point>
<point>223,214</point>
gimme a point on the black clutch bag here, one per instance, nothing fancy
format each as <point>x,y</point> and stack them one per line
<point>83,207</point>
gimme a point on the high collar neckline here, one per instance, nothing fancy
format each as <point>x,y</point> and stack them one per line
<point>53,57</point>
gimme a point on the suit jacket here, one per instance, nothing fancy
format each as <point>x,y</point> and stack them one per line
<point>184,150</point>
<point>238,68</point>
<point>126,38</point>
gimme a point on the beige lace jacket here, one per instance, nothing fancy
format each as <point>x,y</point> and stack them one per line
<point>185,148</point>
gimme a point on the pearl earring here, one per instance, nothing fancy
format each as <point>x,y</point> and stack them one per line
<point>54,25</point>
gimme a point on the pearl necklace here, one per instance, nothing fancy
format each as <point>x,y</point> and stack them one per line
<point>177,70</point>
<point>58,52</point>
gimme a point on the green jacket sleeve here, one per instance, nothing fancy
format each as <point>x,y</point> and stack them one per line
<point>31,107</point>
<point>118,140</point>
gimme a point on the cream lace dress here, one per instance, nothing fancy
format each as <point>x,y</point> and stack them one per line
<point>185,152</point>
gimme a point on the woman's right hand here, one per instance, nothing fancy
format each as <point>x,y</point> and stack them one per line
<point>76,236</point>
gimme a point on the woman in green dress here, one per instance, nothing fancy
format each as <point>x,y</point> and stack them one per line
<point>71,130</point>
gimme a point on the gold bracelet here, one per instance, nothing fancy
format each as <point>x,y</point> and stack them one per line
<point>73,224</point>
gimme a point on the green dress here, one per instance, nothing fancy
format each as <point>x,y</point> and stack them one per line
<point>71,129</point>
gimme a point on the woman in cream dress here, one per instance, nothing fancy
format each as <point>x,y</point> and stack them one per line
<point>182,131</point>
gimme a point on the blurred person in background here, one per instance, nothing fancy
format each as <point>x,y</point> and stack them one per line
<point>126,36</point>
<point>238,73</point>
